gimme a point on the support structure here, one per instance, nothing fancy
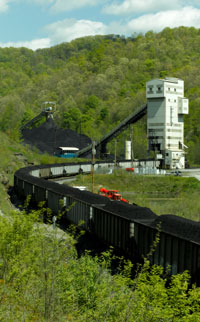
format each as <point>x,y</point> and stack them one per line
<point>166,106</point>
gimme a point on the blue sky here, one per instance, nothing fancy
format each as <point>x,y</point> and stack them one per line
<point>44,23</point>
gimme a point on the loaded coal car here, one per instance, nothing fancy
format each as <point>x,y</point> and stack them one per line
<point>114,224</point>
<point>129,228</point>
<point>33,180</point>
<point>27,185</point>
<point>178,248</point>
<point>75,206</point>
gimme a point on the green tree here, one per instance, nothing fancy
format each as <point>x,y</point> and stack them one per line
<point>72,119</point>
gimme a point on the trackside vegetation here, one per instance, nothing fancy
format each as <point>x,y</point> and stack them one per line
<point>43,279</point>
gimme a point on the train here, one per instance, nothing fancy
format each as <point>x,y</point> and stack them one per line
<point>128,227</point>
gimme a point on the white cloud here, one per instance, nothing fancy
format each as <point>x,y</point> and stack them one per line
<point>40,2</point>
<point>143,6</point>
<point>62,31</point>
<point>4,5</point>
<point>67,5</point>
<point>139,6</point>
<point>68,29</point>
<point>187,16</point>
<point>33,44</point>
<point>64,5</point>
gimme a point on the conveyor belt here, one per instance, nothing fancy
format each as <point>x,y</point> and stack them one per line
<point>32,121</point>
<point>134,117</point>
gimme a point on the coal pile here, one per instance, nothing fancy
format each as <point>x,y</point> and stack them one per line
<point>49,136</point>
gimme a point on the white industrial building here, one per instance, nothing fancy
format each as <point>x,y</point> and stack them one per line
<point>166,106</point>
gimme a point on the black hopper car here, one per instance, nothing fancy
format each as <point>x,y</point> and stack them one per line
<point>130,228</point>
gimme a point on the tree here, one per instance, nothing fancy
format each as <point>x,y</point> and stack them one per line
<point>72,119</point>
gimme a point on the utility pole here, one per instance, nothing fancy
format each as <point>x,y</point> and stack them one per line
<point>131,138</point>
<point>115,153</point>
<point>93,162</point>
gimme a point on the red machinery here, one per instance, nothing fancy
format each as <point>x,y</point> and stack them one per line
<point>130,169</point>
<point>112,194</point>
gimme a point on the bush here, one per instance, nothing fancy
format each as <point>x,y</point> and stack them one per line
<point>42,279</point>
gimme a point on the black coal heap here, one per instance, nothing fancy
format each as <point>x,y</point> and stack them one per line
<point>48,136</point>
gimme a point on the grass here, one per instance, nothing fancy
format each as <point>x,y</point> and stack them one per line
<point>162,194</point>
<point>15,155</point>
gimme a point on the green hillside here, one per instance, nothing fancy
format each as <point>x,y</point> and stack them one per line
<point>97,81</point>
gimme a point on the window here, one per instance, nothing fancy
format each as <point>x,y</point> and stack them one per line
<point>159,88</point>
<point>150,89</point>
<point>174,89</point>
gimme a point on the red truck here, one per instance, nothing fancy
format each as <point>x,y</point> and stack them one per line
<point>112,194</point>
<point>130,169</point>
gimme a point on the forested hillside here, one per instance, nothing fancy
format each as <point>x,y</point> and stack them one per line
<point>98,81</point>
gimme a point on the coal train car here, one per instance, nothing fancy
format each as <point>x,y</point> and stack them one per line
<point>130,228</point>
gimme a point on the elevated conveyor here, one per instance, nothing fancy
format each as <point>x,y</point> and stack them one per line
<point>47,111</point>
<point>101,145</point>
<point>34,120</point>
